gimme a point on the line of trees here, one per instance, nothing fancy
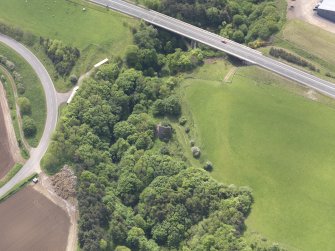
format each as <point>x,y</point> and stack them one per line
<point>280,53</point>
<point>18,34</point>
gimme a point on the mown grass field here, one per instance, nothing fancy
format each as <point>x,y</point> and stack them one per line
<point>97,32</point>
<point>33,91</point>
<point>262,132</point>
<point>310,42</point>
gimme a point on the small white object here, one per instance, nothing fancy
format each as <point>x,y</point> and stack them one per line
<point>101,63</point>
<point>72,94</point>
<point>35,180</point>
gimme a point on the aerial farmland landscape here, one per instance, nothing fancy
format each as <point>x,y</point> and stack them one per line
<point>147,125</point>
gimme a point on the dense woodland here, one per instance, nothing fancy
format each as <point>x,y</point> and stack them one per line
<point>134,191</point>
<point>242,21</point>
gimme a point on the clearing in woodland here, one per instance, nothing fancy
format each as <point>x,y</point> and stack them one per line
<point>265,132</point>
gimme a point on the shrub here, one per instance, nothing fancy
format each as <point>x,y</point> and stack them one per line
<point>25,106</point>
<point>196,152</point>
<point>208,166</point>
<point>73,79</point>
<point>29,126</point>
<point>63,57</point>
<point>328,74</point>
<point>10,65</point>
<point>20,88</point>
<point>192,142</point>
<point>182,121</point>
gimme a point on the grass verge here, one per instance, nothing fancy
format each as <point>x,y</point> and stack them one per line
<point>10,174</point>
<point>278,138</point>
<point>33,91</point>
<point>319,48</point>
<point>18,187</point>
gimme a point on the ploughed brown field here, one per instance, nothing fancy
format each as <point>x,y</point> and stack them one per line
<point>29,221</point>
<point>6,158</point>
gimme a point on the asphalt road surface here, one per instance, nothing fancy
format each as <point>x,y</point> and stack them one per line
<point>216,41</point>
<point>36,154</point>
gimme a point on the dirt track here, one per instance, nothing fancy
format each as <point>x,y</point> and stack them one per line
<point>303,9</point>
<point>29,221</point>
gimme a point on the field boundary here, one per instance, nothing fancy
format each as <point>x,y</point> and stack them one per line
<point>10,174</point>
<point>18,187</point>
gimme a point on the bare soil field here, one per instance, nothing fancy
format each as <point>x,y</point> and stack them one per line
<point>303,9</point>
<point>30,221</point>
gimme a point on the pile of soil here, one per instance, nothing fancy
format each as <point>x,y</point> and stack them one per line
<point>64,183</point>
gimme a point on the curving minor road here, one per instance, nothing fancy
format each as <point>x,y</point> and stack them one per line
<point>215,41</point>
<point>36,154</point>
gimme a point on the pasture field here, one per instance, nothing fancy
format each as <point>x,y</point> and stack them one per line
<point>97,32</point>
<point>267,133</point>
<point>33,91</point>
<point>30,221</point>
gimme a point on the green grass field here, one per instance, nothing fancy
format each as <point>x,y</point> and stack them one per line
<point>34,91</point>
<point>318,48</point>
<point>262,132</point>
<point>98,33</point>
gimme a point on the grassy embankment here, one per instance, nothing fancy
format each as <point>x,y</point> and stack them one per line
<point>310,42</point>
<point>97,32</point>
<point>264,132</point>
<point>33,91</point>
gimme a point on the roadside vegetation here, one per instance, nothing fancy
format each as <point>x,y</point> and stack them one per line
<point>274,136</point>
<point>289,57</point>
<point>242,21</point>
<point>318,49</point>
<point>95,31</point>
<point>31,97</point>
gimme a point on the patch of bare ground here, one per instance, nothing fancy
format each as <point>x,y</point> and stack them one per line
<point>30,221</point>
<point>311,94</point>
<point>9,149</point>
<point>60,188</point>
<point>303,9</point>
<point>230,75</point>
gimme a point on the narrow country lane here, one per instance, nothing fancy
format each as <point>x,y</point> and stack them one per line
<point>36,154</point>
